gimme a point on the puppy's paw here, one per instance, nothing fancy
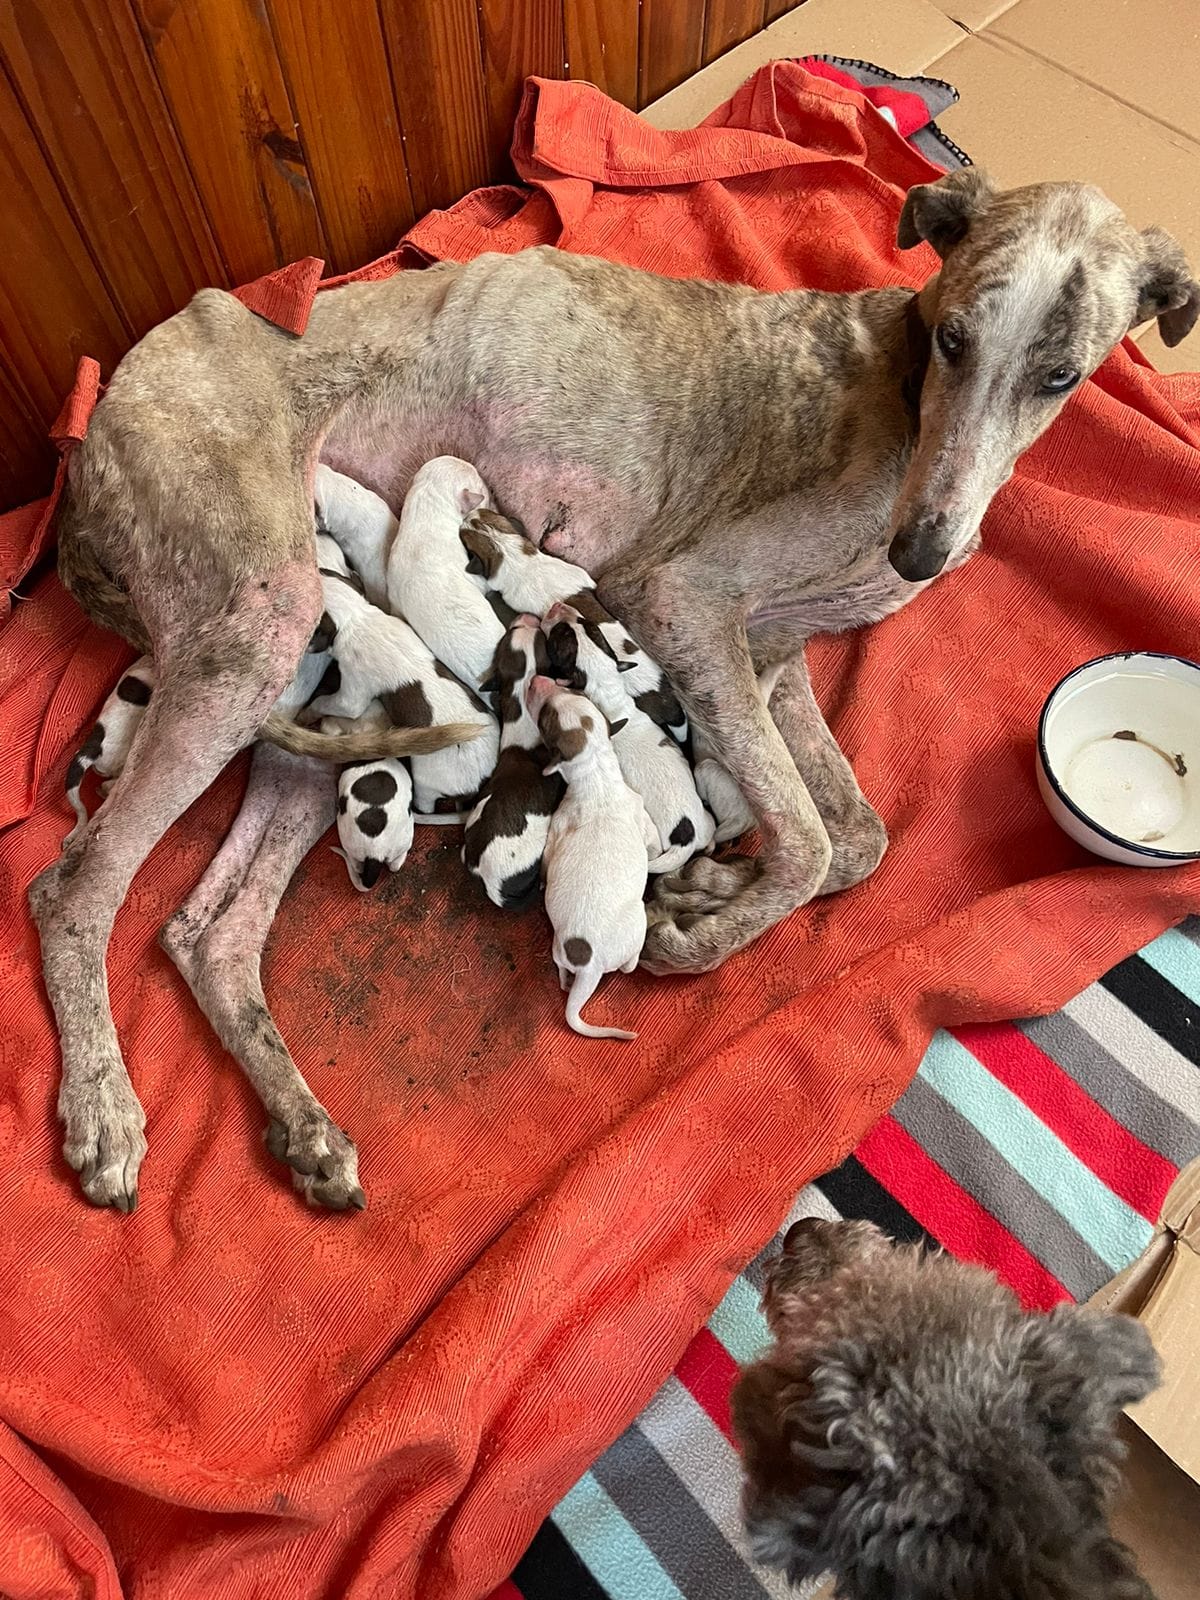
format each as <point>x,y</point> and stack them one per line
<point>322,1157</point>
<point>702,886</point>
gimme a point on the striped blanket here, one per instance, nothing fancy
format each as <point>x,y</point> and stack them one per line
<point>1043,1149</point>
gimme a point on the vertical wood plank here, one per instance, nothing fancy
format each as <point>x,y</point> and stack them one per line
<point>26,455</point>
<point>602,45</point>
<point>54,306</point>
<point>82,72</point>
<point>437,73</point>
<point>518,39</point>
<point>220,73</point>
<point>728,22</point>
<point>779,8</point>
<point>672,44</point>
<point>336,68</point>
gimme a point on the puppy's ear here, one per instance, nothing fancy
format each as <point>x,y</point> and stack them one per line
<point>1166,288</point>
<point>615,727</point>
<point>942,213</point>
<point>484,554</point>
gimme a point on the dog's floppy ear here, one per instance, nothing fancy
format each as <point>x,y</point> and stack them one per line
<point>484,553</point>
<point>942,213</point>
<point>1084,1367</point>
<point>1166,289</point>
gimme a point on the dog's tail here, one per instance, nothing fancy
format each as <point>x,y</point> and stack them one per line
<point>372,745</point>
<point>582,989</point>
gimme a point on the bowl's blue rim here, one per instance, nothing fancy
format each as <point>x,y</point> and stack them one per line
<point>1052,780</point>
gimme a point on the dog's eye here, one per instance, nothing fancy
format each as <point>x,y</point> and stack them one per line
<point>950,341</point>
<point>1061,379</point>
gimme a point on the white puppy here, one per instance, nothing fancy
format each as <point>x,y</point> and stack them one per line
<point>652,763</point>
<point>107,746</point>
<point>717,786</point>
<point>362,524</point>
<point>427,579</point>
<point>507,563</point>
<point>378,657</point>
<point>506,832</point>
<point>595,853</point>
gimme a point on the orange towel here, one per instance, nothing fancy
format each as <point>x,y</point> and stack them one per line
<point>227,1395</point>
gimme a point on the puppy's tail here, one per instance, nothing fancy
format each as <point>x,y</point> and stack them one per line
<point>373,745</point>
<point>582,989</point>
<point>671,860</point>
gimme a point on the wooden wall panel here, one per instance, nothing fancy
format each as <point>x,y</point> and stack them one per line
<point>518,42</point>
<point>87,85</point>
<point>148,147</point>
<point>437,73</point>
<point>602,45</point>
<point>776,9</point>
<point>336,68</point>
<point>54,306</point>
<point>26,455</point>
<point>728,22</point>
<point>220,73</point>
<point>671,45</point>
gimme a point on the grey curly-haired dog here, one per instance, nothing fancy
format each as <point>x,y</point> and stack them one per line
<point>918,1434</point>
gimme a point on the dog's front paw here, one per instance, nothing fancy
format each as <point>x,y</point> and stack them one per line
<point>702,886</point>
<point>322,1157</point>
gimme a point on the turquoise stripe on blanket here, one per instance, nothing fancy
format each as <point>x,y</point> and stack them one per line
<point>1115,1232</point>
<point>1175,958</point>
<point>617,1557</point>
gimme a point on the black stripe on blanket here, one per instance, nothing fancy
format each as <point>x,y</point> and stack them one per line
<point>851,1190</point>
<point>550,1570</point>
<point>1158,1003</point>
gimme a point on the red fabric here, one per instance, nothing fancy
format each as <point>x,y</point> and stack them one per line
<point>253,1400</point>
<point>908,109</point>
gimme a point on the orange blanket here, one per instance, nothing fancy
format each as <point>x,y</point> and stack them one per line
<point>226,1395</point>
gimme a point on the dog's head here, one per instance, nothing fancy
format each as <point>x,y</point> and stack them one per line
<point>1037,286</point>
<point>917,1433</point>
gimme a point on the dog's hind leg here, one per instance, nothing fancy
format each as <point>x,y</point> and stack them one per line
<point>856,832</point>
<point>216,940</point>
<point>217,682</point>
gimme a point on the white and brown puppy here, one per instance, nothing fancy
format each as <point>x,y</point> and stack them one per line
<point>652,763</point>
<point>378,657</point>
<point>506,833</point>
<point>107,745</point>
<point>375,819</point>
<point>427,580</point>
<point>595,854</point>
<point>362,524</point>
<point>508,564</point>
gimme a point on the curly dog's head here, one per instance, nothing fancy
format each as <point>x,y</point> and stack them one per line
<point>918,1434</point>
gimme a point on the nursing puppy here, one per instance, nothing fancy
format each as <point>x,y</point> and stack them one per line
<point>362,525</point>
<point>650,762</point>
<point>427,580</point>
<point>375,819</point>
<point>508,564</point>
<point>506,833</point>
<point>595,853</point>
<point>107,745</point>
<point>378,657</point>
<point>917,1433</point>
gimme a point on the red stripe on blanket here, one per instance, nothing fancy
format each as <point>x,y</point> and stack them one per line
<point>1139,1175</point>
<point>957,1221</point>
<point>707,1371</point>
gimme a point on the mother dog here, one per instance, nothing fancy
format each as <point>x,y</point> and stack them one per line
<point>739,470</point>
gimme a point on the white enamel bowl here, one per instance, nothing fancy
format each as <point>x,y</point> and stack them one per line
<point>1118,758</point>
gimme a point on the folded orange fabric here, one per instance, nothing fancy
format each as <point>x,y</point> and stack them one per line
<point>224,1394</point>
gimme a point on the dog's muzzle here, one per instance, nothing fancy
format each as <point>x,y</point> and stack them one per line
<point>919,552</point>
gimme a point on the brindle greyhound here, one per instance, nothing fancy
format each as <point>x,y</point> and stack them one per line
<point>740,470</point>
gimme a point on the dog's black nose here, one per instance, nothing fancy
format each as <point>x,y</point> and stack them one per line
<point>919,553</point>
